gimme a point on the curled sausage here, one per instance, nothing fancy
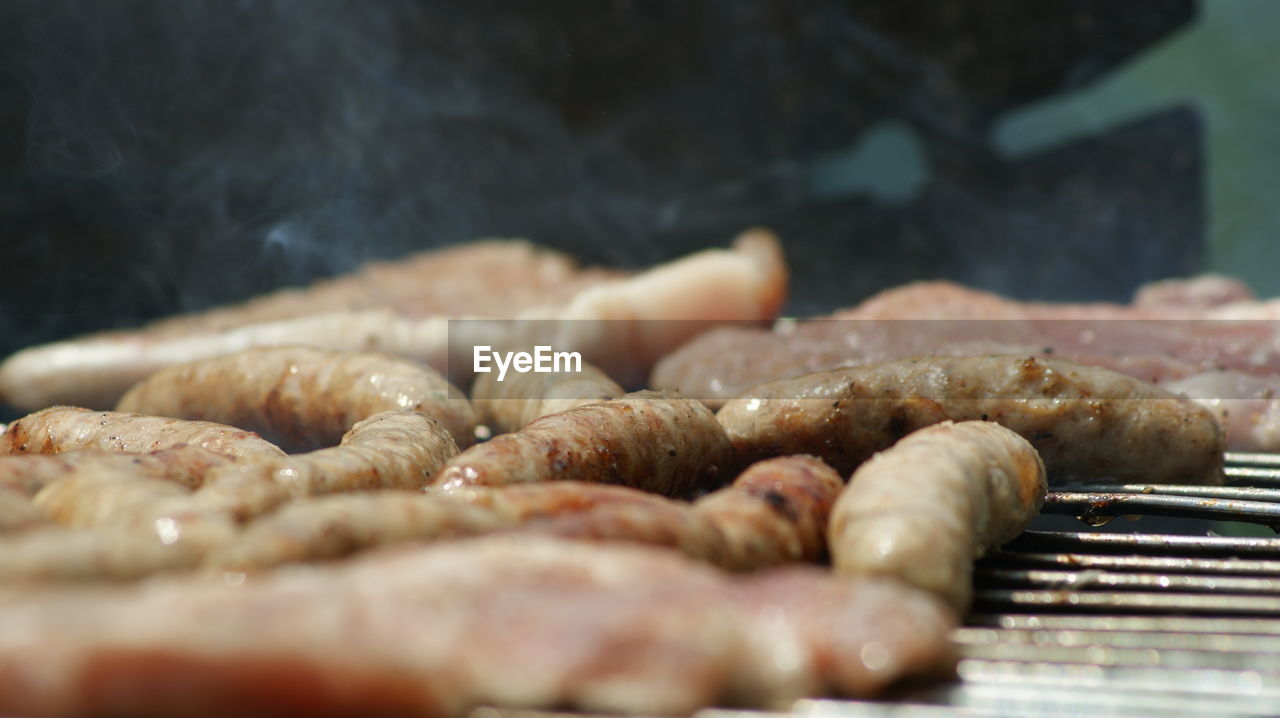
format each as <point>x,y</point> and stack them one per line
<point>1084,421</point>
<point>394,449</point>
<point>924,509</point>
<point>301,397</point>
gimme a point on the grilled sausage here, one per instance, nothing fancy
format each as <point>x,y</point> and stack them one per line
<point>775,512</point>
<point>302,398</point>
<point>510,404</point>
<point>394,449</point>
<point>327,527</point>
<point>924,509</point>
<point>61,429</point>
<point>658,442</point>
<point>1084,421</point>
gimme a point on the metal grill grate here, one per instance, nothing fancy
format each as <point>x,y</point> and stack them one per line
<point>1092,623</point>
<point>1070,623</point>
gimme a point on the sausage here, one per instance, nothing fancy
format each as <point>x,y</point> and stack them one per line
<point>1084,421</point>
<point>394,449</point>
<point>17,513</point>
<point>775,512</point>
<point>327,527</point>
<point>61,429</point>
<point>302,398</point>
<point>659,442</point>
<point>924,509</point>
<point>184,465</point>
<point>510,404</point>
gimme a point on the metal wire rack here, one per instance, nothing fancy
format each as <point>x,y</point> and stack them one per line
<point>1091,623</point>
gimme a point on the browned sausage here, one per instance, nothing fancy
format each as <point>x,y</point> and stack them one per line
<point>302,398</point>
<point>61,429</point>
<point>658,442</point>
<point>1084,421</point>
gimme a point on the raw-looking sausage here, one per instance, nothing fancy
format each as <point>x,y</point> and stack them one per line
<point>924,509</point>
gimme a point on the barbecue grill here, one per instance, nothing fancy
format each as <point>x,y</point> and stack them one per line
<point>1133,623</point>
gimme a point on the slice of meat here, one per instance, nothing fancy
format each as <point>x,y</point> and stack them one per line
<point>1200,292</point>
<point>1247,406</point>
<point>510,403</point>
<point>924,509</point>
<point>1085,421</point>
<point>658,442</point>
<point>747,282</point>
<point>301,397</point>
<point>515,621</point>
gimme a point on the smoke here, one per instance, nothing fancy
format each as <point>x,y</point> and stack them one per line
<point>165,155</point>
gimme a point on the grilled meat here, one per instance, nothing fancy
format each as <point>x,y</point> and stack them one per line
<point>747,282</point>
<point>436,631</point>
<point>924,509</point>
<point>658,442</point>
<point>1084,421</point>
<point>301,397</point>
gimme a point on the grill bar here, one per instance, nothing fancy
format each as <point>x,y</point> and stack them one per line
<point>1090,507</point>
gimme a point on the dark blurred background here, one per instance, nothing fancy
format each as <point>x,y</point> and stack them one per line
<point>164,155</point>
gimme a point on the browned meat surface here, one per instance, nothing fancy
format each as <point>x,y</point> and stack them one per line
<point>658,442</point>
<point>508,621</point>
<point>775,512</point>
<point>747,282</point>
<point>518,399</point>
<point>1084,421</point>
<point>301,397</point>
<point>924,509</point>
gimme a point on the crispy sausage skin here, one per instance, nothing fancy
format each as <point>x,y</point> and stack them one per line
<point>659,442</point>
<point>518,399</point>
<point>775,512</point>
<point>1084,421</point>
<point>302,397</point>
<point>924,509</point>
